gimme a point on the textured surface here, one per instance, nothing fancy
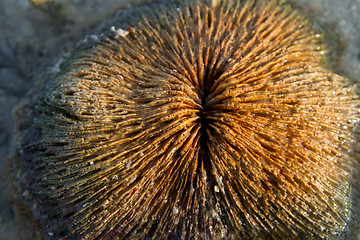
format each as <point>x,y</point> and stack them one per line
<point>29,37</point>
<point>178,130</point>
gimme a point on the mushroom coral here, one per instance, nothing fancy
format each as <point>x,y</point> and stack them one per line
<point>216,120</point>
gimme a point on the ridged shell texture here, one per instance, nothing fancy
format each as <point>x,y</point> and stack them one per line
<point>217,121</point>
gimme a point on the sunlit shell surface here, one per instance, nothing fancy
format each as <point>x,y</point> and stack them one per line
<point>215,121</point>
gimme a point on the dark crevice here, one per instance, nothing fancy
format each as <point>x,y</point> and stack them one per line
<point>53,109</point>
<point>211,74</point>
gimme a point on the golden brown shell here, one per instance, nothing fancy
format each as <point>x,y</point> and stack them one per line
<point>220,121</point>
